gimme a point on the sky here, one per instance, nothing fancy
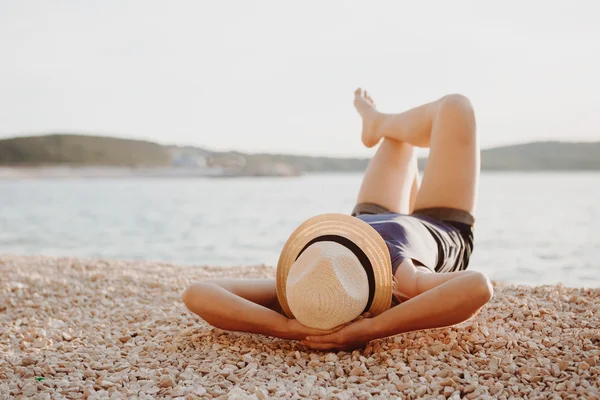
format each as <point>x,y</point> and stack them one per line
<point>279,76</point>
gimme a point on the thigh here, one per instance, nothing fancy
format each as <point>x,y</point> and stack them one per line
<point>390,177</point>
<point>451,175</point>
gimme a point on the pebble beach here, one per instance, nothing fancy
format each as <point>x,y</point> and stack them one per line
<point>94,329</point>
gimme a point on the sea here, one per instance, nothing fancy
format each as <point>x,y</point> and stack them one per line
<point>531,228</point>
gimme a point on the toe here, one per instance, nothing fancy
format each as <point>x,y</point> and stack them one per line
<point>358,92</point>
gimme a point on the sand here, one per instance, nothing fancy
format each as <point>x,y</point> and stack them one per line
<point>96,329</point>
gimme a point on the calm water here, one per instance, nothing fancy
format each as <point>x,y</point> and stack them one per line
<point>531,228</point>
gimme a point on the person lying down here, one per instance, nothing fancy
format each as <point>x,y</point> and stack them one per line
<point>397,263</point>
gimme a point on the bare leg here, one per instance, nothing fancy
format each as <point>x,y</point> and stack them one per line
<point>392,178</point>
<point>415,188</point>
<point>448,127</point>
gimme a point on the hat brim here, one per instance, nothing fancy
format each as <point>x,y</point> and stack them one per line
<point>351,228</point>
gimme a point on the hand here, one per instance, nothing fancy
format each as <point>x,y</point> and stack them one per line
<point>352,336</point>
<point>294,330</point>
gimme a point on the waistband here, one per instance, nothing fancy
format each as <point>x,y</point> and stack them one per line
<point>439,213</point>
<point>447,214</point>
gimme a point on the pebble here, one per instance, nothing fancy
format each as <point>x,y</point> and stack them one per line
<point>324,375</point>
<point>29,389</point>
<point>563,365</point>
<point>421,391</point>
<point>305,391</point>
<point>106,384</point>
<point>261,394</point>
<point>448,382</point>
<point>166,381</point>
<point>198,390</point>
<point>27,361</point>
<point>547,349</point>
<point>469,389</point>
<point>448,391</point>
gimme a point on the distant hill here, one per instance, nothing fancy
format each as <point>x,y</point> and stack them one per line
<point>107,151</point>
<point>81,150</point>
<point>540,156</point>
<point>543,156</point>
<point>536,156</point>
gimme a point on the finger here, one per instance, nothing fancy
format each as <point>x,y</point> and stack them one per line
<point>324,339</point>
<point>319,346</point>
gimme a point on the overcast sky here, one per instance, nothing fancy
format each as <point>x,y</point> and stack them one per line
<point>280,75</point>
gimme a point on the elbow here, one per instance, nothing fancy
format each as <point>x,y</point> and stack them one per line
<point>192,296</point>
<point>483,290</point>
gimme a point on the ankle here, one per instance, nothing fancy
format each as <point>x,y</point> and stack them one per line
<point>381,122</point>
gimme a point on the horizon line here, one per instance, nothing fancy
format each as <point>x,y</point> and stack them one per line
<point>67,133</point>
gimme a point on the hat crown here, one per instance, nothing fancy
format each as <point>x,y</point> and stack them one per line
<point>373,271</point>
<point>327,286</point>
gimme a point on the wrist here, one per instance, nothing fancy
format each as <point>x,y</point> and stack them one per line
<point>281,328</point>
<point>376,328</point>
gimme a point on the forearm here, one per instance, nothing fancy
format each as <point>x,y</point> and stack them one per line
<point>450,303</point>
<point>425,281</point>
<point>225,310</point>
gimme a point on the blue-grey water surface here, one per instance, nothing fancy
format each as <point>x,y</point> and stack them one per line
<point>532,228</point>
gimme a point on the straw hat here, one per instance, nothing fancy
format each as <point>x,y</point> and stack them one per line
<point>333,268</point>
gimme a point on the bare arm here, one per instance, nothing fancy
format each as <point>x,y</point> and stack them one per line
<point>445,299</point>
<point>244,305</point>
<point>218,304</point>
<point>413,280</point>
<point>450,299</point>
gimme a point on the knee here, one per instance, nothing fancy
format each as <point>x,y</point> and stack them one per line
<point>457,101</point>
<point>458,105</point>
<point>458,111</point>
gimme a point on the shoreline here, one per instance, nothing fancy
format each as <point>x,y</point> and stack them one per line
<point>68,172</point>
<point>106,172</point>
<point>114,329</point>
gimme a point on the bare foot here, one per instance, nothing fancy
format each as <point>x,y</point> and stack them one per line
<point>370,116</point>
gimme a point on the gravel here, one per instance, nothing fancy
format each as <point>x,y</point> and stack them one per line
<point>96,329</point>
